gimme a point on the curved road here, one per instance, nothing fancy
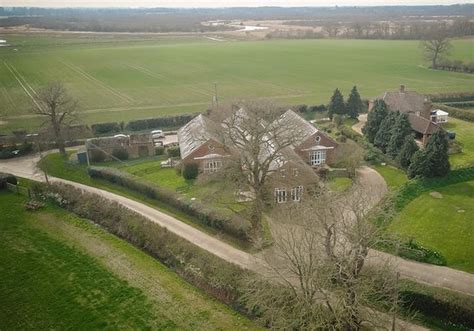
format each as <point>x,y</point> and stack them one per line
<point>425,273</point>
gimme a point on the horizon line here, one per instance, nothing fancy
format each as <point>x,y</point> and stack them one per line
<point>238,7</point>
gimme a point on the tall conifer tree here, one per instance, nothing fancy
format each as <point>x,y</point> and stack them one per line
<point>374,119</point>
<point>401,129</point>
<point>354,104</point>
<point>336,105</point>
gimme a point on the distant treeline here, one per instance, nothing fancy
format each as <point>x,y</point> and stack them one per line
<point>403,29</point>
<point>189,20</point>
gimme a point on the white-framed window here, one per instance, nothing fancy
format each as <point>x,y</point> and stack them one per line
<point>296,193</point>
<point>211,166</point>
<point>317,157</point>
<point>280,195</point>
<point>318,139</point>
<point>295,172</point>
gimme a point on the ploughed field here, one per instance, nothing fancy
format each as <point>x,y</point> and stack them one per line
<point>124,78</point>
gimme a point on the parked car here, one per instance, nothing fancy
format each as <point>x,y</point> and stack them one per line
<point>157,134</point>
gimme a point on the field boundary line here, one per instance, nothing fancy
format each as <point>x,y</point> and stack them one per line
<point>89,77</point>
<point>21,84</point>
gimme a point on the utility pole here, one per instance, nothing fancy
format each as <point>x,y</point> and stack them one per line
<point>216,100</point>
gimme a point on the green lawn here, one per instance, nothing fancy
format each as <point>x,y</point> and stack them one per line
<point>58,271</point>
<point>122,79</point>
<point>445,224</point>
<point>465,135</point>
<point>339,184</point>
<point>56,165</point>
<point>394,177</point>
<point>212,193</point>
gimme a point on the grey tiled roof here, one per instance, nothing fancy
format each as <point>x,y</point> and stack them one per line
<point>404,102</point>
<point>195,133</point>
<point>292,120</point>
<point>422,125</point>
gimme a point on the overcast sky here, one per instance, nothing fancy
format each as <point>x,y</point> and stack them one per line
<point>218,3</point>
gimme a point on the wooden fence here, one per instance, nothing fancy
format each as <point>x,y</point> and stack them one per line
<point>19,189</point>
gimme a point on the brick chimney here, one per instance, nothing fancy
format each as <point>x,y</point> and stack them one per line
<point>427,106</point>
<point>402,88</point>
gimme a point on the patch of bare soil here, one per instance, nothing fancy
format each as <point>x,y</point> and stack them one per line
<point>436,195</point>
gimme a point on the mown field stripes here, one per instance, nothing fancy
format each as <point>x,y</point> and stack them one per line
<point>26,87</point>
<point>96,81</point>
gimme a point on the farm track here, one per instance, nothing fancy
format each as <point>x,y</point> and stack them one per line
<point>28,89</point>
<point>98,82</point>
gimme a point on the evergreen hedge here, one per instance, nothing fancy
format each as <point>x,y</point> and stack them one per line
<point>233,225</point>
<point>159,122</point>
<point>103,128</point>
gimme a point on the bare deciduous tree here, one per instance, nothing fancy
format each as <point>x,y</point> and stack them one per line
<point>318,277</point>
<point>54,103</point>
<point>435,47</point>
<point>258,143</point>
<point>349,155</point>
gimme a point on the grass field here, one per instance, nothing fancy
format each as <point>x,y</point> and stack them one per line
<point>465,135</point>
<point>443,223</point>
<point>61,272</point>
<point>124,79</point>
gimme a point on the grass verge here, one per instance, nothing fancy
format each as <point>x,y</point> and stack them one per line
<point>62,272</point>
<point>56,165</point>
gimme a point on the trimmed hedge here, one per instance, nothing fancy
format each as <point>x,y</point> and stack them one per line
<point>458,113</point>
<point>414,251</point>
<point>190,171</point>
<point>201,268</point>
<point>234,225</point>
<point>159,122</point>
<point>460,104</point>
<point>452,97</point>
<point>453,310</point>
<point>103,128</point>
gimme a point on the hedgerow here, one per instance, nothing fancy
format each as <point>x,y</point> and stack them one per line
<point>415,188</point>
<point>458,113</point>
<point>206,271</point>
<point>233,225</point>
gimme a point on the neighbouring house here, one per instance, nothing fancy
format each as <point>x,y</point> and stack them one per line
<point>198,144</point>
<point>313,146</point>
<point>313,149</point>
<point>423,119</point>
<point>136,145</point>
